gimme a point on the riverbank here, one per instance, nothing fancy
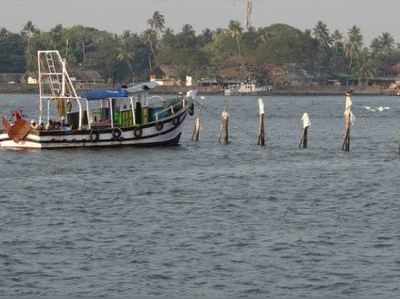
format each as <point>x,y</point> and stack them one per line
<point>288,91</point>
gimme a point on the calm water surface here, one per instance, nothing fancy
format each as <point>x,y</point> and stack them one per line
<point>211,221</point>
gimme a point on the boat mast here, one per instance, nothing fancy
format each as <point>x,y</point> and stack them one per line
<point>40,90</point>
<point>54,82</point>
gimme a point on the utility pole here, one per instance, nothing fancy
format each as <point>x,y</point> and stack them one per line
<point>249,11</point>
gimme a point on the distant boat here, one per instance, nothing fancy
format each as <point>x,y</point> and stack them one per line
<point>246,88</point>
<point>99,118</point>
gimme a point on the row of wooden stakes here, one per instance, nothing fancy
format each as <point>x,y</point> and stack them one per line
<point>303,143</point>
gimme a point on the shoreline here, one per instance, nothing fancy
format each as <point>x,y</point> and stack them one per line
<point>169,90</point>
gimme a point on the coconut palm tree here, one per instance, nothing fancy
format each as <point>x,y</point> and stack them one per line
<point>124,52</point>
<point>321,33</point>
<point>387,43</point>
<point>157,23</point>
<point>27,33</point>
<point>150,38</point>
<point>29,30</point>
<point>366,69</point>
<point>337,40</point>
<point>235,30</point>
<point>153,34</point>
<point>353,46</point>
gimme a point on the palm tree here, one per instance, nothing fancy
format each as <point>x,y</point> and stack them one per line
<point>27,33</point>
<point>153,34</point>
<point>124,53</point>
<point>29,30</point>
<point>150,38</point>
<point>235,30</point>
<point>382,49</point>
<point>321,33</point>
<point>337,39</point>
<point>366,69</point>
<point>157,23</point>
<point>323,37</point>
<point>353,46</point>
<point>387,43</point>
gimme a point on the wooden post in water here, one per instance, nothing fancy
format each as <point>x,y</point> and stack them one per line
<point>261,123</point>
<point>306,124</point>
<point>224,130</point>
<point>197,121</point>
<point>196,129</point>
<point>348,115</point>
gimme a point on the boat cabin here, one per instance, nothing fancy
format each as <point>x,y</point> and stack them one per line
<point>61,108</point>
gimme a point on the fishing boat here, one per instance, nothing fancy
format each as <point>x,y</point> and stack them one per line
<point>99,118</point>
<point>245,88</point>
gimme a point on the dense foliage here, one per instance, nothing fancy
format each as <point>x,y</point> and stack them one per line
<point>320,53</point>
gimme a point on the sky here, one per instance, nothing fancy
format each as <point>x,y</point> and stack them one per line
<point>373,16</point>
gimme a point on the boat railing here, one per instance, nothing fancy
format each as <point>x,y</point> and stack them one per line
<point>170,108</point>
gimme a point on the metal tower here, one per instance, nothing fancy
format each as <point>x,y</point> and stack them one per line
<point>249,11</point>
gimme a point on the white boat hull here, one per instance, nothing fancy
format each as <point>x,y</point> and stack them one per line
<point>169,134</point>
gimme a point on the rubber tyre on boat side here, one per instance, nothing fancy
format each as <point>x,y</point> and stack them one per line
<point>175,121</point>
<point>159,126</point>
<point>138,132</point>
<point>116,134</point>
<point>94,136</point>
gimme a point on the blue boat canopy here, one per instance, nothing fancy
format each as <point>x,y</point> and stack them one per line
<point>96,95</point>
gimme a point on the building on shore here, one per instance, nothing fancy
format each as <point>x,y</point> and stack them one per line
<point>165,75</point>
<point>87,79</point>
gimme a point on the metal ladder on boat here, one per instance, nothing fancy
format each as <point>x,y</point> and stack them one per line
<point>54,77</point>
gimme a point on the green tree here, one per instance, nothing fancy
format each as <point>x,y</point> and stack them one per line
<point>383,52</point>
<point>12,52</point>
<point>28,32</point>
<point>353,48</point>
<point>150,38</point>
<point>235,30</point>
<point>338,64</point>
<point>157,23</point>
<point>323,37</point>
<point>337,41</point>
<point>156,26</point>
<point>322,34</point>
<point>365,69</point>
<point>282,44</point>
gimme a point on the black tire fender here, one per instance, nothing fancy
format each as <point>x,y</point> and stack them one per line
<point>175,121</point>
<point>138,132</point>
<point>159,126</point>
<point>116,133</point>
<point>94,136</point>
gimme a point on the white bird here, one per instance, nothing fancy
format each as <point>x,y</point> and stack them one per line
<point>375,109</point>
<point>370,108</point>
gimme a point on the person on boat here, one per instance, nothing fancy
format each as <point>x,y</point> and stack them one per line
<point>17,115</point>
<point>68,106</point>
